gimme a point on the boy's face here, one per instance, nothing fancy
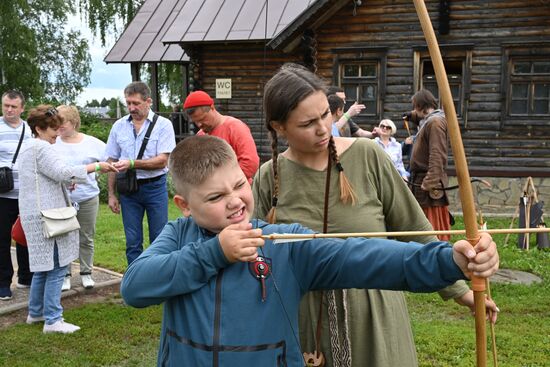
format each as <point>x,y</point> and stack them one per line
<point>224,198</point>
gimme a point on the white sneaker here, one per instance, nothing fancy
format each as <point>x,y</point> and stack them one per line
<point>34,320</point>
<point>60,327</point>
<point>66,284</point>
<point>87,281</point>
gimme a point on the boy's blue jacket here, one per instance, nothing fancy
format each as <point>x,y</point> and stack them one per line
<point>213,310</point>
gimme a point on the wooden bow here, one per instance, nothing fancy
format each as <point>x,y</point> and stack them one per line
<point>463,176</point>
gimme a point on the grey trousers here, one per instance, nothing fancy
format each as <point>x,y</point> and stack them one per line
<point>87,216</point>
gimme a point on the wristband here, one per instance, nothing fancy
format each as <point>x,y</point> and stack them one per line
<point>346,115</point>
<point>97,167</point>
<point>131,164</point>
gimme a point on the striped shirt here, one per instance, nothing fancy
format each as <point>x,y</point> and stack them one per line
<point>124,143</point>
<point>9,139</point>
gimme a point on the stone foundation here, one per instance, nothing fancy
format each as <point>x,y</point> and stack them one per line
<point>503,197</point>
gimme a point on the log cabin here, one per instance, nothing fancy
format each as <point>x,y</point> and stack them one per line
<point>496,54</point>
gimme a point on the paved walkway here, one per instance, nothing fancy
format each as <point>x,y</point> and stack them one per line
<point>102,278</point>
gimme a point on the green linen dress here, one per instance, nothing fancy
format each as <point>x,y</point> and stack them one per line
<point>378,321</point>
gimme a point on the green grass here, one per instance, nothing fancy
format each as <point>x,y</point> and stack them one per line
<point>110,245</point>
<point>445,333</point>
<point>116,335</point>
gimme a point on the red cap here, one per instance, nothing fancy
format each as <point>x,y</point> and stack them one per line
<point>197,99</point>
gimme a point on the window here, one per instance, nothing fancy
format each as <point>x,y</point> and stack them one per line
<point>455,76</point>
<point>361,72</point>
<point>529,87</point>
<point>457,60</point>
<point>526,83</point>
<point>360,83</point>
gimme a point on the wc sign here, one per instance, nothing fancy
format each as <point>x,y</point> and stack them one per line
<point>223,88</point>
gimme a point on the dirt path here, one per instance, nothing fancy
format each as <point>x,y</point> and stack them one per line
<point>110,293</point>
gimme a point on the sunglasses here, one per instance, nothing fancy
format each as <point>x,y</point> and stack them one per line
<point>51,112</point>
<point>385,127</point>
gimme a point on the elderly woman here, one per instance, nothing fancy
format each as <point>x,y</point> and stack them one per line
<point>43,177</point>
<point>78,148</point>
<point>386,128</point>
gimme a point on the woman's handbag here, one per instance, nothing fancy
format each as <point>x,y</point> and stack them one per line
<point>17,233</point>
<point>58,221</point>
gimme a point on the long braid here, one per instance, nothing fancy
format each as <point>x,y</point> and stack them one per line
<point>271,215</point>
<point>347,194</point>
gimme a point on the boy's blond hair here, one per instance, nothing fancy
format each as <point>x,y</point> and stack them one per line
<point>196,158</point>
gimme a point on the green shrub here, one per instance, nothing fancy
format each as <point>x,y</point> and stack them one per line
<point>91,124</point>
<point>104,193</point>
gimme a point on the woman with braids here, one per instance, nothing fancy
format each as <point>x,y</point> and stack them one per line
<point>339,185</point>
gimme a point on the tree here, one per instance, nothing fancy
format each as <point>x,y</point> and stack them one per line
<point>116,108</point>
<point>37,56</point>
<point>103,15</point>
<point>93,103</point>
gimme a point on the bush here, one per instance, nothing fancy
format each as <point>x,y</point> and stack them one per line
<point>92,125</point>
<point>104,192</point>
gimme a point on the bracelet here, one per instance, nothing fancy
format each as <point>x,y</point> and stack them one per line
<point>346,115</point>
<point>132,164</point>
<point>97,167</point>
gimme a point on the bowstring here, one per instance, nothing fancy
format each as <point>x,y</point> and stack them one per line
<point>261,250</point>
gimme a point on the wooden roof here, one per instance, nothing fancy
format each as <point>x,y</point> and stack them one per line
<point>233,20</point>
<point>141,41</point>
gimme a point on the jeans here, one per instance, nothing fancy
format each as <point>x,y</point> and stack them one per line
<point>45,293</point>
<point>152,198</point>
<point>9,210</point>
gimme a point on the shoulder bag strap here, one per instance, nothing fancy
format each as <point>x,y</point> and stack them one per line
<point>146,137</point>
<point>18,146</point>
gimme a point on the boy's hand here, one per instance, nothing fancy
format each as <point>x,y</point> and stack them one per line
<point>481,260</point>
<point>240,242</point>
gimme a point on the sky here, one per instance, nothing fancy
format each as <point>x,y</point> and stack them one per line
<point>106,80</point>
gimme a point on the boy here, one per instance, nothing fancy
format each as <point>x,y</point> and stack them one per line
<point>231,299</point>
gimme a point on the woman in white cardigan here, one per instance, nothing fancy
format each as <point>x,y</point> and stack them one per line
<point>43,177</point>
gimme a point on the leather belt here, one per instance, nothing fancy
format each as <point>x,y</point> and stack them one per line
<point>143,181</point>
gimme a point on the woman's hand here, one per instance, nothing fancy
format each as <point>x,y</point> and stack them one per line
<point>107,167</point>
<point>491,308</point>
<point>101,167</point>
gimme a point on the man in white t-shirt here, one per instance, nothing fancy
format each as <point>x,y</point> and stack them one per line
<point>11,128</point>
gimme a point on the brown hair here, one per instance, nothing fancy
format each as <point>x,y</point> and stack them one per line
<point>283,92</point>
<point>424,100</point>
<point>14,94</point>
<point>44,116</point>
<point>194,160</point>
<point>334,103</point>
<point>70,113</point>
<point>138,88</point>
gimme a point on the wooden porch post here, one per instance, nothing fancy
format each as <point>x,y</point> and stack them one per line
<point>155,87</point>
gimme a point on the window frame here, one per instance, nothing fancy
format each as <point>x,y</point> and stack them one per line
<point>450,53</point>
<point>361,55</point>
<point>513,53</point>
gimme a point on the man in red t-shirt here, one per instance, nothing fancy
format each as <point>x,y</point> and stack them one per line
<point>200,109</point>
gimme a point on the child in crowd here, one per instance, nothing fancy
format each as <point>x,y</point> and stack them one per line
<point>231,298</point>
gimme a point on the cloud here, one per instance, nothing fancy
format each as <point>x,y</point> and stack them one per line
<point>106,80</point>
